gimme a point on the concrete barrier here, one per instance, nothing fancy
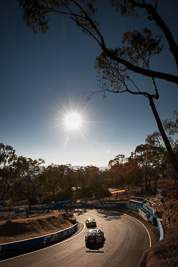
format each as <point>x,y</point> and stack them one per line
<point>35,243</point>
<point>146,212</point>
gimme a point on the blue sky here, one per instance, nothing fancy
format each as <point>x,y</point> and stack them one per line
<point>45,76</point>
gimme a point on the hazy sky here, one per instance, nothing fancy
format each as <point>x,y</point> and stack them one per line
<point>45,76</point>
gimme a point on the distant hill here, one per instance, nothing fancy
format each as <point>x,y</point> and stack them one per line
<point>78,167</point>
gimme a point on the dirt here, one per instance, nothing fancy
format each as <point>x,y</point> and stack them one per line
<point>165,252</point>
<point>15,229</point>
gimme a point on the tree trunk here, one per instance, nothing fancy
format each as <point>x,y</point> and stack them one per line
<point>156,183</point>
<point>164,136</point>
<point>146,182</point>
<point>6,190</point>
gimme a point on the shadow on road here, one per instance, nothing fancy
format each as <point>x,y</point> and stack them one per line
<point>109,215</point>
<point>94,251</point>
<point>80,212</point>
<point>96,248</point>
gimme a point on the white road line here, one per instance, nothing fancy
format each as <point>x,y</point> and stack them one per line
<point>68,239</point>
<point>142,225</point>
<point>71,236</point>
<point>57,244</point>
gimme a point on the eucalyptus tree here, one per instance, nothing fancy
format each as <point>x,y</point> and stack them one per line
<point>125,170</point>
<point>58,182</point>
<point>53,179</point>
<point>139,47</point>
<point>107,178</point>
<point>171,128</point>
<point>132,172</point>
<point>155,140</point>
<point>27,177</point>
<point>7,155</point>
<point>81,183</point>
<point>92,176</point>
<point>6,180</point>
<point>150,160</point>
<point>117,170</point>
<point>119,159</point>
<point>7,158</point>
<point>68,180</point>
<point>115,64</point>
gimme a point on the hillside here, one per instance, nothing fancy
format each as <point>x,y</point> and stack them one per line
<point>165,252</point>
<point>15,229</point>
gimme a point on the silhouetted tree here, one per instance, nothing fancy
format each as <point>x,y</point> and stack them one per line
<point>113,64</point>
<point>155,140</point>
<point>7,158</point>
<point>27,177</point>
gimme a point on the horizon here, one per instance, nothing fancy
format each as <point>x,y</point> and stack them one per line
<point>44,77</point>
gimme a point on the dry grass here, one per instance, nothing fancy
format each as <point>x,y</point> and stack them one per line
<point>15,229</point>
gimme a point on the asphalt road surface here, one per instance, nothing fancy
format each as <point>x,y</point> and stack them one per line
<point>126,241</point>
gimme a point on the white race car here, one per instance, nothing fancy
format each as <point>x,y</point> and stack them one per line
<point>94,237</point>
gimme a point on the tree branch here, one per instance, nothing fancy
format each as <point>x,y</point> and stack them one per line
<point>161,24</point>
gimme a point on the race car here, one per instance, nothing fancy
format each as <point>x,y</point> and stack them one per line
<point>90,222</point>
<point>94,237</point>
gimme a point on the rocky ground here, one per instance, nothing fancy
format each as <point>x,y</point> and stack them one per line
<point>165,252</point>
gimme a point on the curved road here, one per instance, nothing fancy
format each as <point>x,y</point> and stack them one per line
<point>126,241</point>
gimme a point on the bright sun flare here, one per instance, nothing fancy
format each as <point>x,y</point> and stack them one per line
<point>73,121</point>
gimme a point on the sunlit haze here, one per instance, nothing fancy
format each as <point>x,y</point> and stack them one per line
<point>45,79</point>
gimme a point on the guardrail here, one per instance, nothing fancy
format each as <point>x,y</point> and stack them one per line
<point>35,243</point>
<point>146,212</point>
<point>139,206</point>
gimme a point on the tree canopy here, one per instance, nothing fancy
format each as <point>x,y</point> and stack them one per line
<point>26,179</point>
<point>82,12</point>
<point>115,65</point>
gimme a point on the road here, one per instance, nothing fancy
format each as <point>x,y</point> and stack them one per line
<point>126,241</point>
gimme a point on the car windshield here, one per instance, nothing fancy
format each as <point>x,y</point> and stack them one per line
<point>93,231</point>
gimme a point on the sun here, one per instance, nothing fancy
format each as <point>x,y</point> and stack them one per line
<point>73,121</point>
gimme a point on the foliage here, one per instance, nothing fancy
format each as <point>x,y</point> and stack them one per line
<point>83,13</point>
<point>27,177</point>
<point>114,65</point>
<point>7,157</point>
<point>125,171</point>
<point>7,154</point>
<point>139,47</point>
<point>24,178</point>
<point>154,139</point>
<point>171,128</point>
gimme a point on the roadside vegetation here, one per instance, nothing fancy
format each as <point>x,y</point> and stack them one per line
<point>25,179</point>
<point>134,54</point>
